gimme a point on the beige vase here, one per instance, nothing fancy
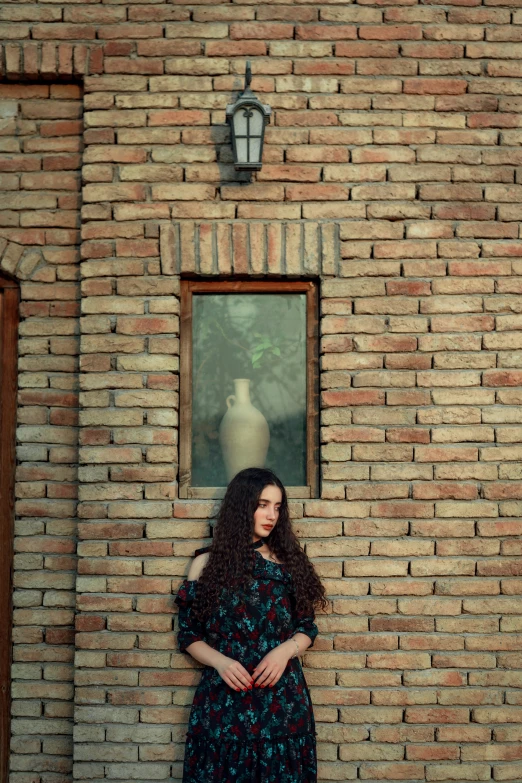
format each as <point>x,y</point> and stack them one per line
<point>243,433</point>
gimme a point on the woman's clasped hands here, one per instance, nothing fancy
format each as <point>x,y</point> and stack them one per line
<point>234,674</point>
<point>267,672</point>
<point>270,668</point>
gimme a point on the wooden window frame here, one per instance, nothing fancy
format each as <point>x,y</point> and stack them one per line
<point>308,287</point>
<point>9,299</point>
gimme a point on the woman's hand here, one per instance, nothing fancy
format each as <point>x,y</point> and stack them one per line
<point>233,673</point>
<point>269,670</point>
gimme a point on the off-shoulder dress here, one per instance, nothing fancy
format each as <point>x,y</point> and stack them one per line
<point>261,735</point>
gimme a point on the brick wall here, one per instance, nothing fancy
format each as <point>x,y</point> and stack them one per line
<point>40,159</point>
<point>391,173</point>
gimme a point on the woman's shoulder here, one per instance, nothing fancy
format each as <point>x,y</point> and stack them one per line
<point>198,564</point>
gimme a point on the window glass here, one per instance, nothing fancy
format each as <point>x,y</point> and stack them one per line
<point>248,386</point>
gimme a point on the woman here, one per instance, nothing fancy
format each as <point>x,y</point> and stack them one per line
<point>246,611</point>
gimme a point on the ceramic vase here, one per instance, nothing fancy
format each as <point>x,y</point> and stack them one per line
<point>243,433</point>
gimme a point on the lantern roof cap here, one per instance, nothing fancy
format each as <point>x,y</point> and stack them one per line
<point>248,97</point>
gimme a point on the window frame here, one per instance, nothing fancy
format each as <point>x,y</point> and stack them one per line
<point>308,287</point>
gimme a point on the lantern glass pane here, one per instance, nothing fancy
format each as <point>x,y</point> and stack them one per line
<point>255,150</point>
<point>256,122</point>
<point>241,150</point>
<point>240,122</point>
<point>248,122</point>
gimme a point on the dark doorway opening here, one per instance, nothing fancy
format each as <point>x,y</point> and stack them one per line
<point>9,299</point>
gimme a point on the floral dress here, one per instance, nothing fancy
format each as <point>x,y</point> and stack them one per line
<point>261,735</point>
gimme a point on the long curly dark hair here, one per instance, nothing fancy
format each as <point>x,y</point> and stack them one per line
<point>232,556</point>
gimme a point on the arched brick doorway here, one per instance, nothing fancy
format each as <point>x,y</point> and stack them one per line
<point>9,297</point>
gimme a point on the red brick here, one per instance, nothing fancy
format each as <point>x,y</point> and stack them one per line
<point>432,752</point>
<point>306,118</point>
<point>464,211</point>
<point>133,65</point>
<point>502,378</point>
<point>62,128</point>
<point>435,86</point>
<point>312,67</point>
<point>138,585</point>
<point>474,268</point>
<point>408,397</point>
<point>428,490</point>
<point>407,435</point>
<point>256,192</point>
<point>388,342</point>
<point>65,32</point>
<point>318,192</point>
<point>124,31</point>
<point>137,248</point>
<point>403,508</point>
<point>446,454</point>
<point>408,288</point>
<point>321,32</point>
<point>140,549</point>
<point>399,361</point>
<point>403,624</point>
<point>265,31</point>
<point>235,48</point>
<point>362,49</point>
<point>353,397</point>
<point>118,48</point>
<point>391,32</point>
<point>161,47</point>
<point>178,117</point>
<point>437,715</point>
<point>59,636</point>
<point>291,173</point>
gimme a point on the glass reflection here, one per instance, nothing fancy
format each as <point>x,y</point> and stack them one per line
<point>248,386</point>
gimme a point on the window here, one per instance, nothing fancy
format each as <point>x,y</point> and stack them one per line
<point>249,388</point>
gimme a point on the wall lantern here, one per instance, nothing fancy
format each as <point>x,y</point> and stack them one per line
<point>247,118</point>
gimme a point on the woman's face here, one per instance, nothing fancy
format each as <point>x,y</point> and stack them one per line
<point>267,512</point>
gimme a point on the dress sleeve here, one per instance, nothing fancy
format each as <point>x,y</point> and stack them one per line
<point>306,624</point>
<point>189,628</point>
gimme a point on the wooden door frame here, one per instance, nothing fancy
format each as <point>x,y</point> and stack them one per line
<point>9,313</point>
